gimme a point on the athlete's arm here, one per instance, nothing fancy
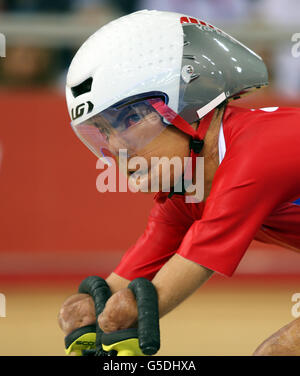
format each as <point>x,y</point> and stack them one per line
<point>175,281</point>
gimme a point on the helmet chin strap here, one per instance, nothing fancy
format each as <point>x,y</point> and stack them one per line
<point>196,141</point>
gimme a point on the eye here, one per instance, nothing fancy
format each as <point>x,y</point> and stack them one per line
<point>132,119</point>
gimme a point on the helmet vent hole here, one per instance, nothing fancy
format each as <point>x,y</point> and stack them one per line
<point>82,88</point>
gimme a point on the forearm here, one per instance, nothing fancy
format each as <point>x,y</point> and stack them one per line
<point>174,282</point>
<point>177,280</point>
<point>116,283</point>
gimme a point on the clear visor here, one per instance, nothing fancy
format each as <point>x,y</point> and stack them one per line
<point>132,125</point>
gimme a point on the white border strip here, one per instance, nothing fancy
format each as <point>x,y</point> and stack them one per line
<point>211,105</point>
<point>222,145</point>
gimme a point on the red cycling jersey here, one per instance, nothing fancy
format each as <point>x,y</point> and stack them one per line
<point>251,197</point>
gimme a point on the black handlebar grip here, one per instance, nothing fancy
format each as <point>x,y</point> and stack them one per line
<point>99,290</point>
<point>148,315</point>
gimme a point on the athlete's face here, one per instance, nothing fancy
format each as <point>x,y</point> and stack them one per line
<point>155,149</point>
<point>153,162</point>
<point>162,160</point>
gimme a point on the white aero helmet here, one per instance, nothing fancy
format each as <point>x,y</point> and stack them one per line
<point>144,71</point>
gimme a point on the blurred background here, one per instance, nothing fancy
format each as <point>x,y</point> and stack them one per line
<point>56,228</point>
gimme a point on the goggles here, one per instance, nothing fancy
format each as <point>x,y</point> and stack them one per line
<point>131,124</point>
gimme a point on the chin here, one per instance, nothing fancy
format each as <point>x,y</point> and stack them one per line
<point>145,183</point>
<point>140,183</point>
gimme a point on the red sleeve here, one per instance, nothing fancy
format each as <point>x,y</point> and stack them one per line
<point>168,223</point>
<point>256,175</point>
<point>282,227</point>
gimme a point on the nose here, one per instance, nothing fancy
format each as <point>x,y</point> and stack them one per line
<point>115,144</point>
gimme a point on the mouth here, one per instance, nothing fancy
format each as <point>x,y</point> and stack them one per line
<point>138,172</point>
